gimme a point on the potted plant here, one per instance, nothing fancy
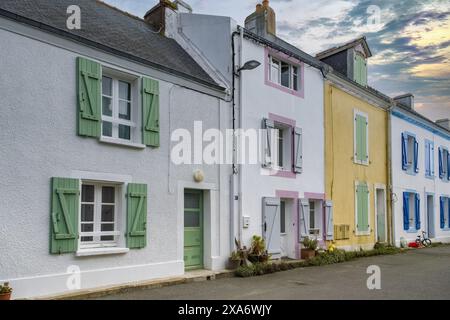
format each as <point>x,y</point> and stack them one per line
<point>239,256</point>
<point>258,252</point>
<point>309,248</point>
<point>5,291</point>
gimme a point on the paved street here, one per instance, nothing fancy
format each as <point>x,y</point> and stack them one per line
<point>419,274</point>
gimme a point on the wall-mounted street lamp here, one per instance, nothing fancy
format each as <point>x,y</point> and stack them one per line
<point>249,65</point>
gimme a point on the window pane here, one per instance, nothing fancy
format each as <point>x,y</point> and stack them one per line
<point>87,239</point>
<point>107,213</point>
<point>191,200</point>
<point>87,212</point>
<point>87,227</point>
<point>107,86</point>
<point>312,216</point>
<point>108,195</point>
<point>295,82</point>
<point>124,132</point>
<point>124,90</point>
<point>107,129</point>
<point>87,193</point>
<point>124,110</point>
<point>280,148</point>
<point>274,76</point>
<point>107,227</point>
<point>191,219</point>
<point>285,74</point>
<point>106,106</point>
<point>282,217</point>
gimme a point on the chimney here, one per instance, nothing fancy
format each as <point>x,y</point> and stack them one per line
<point>157,16</point>
<point>444,123</point>
<point>407,100</point>
<point>262,21</point>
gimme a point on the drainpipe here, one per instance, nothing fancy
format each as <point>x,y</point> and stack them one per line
<point>235,191</point>
<point>390,179</point>
<point>241,62</point>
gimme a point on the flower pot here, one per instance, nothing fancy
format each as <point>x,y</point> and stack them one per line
<point>233,264</point>
<point>5,296</point>
<point>307,254</point>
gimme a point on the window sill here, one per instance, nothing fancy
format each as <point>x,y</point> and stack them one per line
<point>100,251</point>
<point>122,143</point>
<point>366,163</point>
<point>362,233</point>
<point>412,231</point>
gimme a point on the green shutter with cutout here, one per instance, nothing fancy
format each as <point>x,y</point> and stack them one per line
<point>150,112</point>
<point>136,216</point>
<point>65,201</point>
<point>89,76</point>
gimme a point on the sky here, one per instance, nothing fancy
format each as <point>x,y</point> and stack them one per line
<point>409,39</point>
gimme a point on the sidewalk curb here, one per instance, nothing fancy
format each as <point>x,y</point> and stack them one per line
<point>188,277</point>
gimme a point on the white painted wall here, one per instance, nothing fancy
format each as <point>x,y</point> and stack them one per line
<point>38,141</point>
<point>258,100</point>
<point>403,181</point>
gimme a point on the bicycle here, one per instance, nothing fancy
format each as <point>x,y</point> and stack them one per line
<point>422,240</point>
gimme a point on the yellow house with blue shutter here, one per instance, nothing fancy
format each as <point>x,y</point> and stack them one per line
<point>356,149</point>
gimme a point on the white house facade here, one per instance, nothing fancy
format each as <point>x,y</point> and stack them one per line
<point>420,175</point>
<point>278,92</point>
<point>90,196</point>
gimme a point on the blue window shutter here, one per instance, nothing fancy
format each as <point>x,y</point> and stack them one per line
<point>442,201</point>
<point>416,156</point>
<point>404,152</point>
<point>405,210</point>
<point>417,211</point>
<point>441,163</point>
<point>432,159</point>
<point>448,166</point>
<point>427,158</point>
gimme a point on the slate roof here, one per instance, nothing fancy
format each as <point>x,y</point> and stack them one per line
<point>111,30</point>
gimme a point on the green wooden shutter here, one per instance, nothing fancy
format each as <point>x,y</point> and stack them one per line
<point>362,199</point>
<point>365,213</point>
<point>137,216</point>
<point>150,112</point>
<point>361,139</point>
<point>360,70</point>
<point>64,215</point>
<point>89,75</point>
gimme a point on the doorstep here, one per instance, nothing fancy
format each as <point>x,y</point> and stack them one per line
<point>188,277</point>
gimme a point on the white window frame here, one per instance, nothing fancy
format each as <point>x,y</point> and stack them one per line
<point>136,106</point>
<point>316,232</point>
<point>287,147</point>
<point>357,112</point>
<point>368,232</point>
<point>275,63</point>
<point>118,210</point>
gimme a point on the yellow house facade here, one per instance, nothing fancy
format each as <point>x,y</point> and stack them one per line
<point>345,178</point>
<point>356,155</point>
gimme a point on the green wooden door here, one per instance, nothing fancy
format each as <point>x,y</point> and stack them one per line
<point>193,229</point>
